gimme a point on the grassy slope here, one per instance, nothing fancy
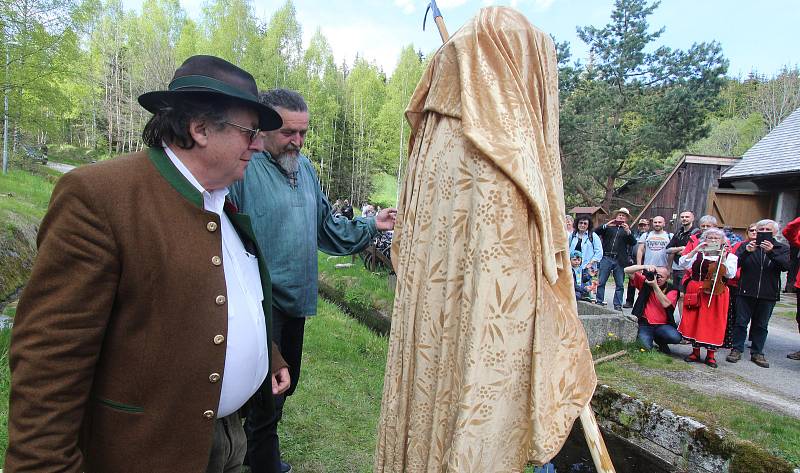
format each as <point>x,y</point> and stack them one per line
<point>30,194</point>
<point>23,200</point>
<point>69,154</point>
<point>385,193</point>
<point>360,285</point>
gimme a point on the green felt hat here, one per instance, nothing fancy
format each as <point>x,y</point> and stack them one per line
<point>209,75</point>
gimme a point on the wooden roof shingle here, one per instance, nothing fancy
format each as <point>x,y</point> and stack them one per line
<point>776,153</point>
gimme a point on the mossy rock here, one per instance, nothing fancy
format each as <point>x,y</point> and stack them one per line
<point>749,458</point>
<point>17,253</point>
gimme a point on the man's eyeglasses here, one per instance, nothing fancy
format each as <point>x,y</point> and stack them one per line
<point>253,133</point>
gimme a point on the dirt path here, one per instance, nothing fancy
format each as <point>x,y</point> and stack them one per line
<point>60,167</point>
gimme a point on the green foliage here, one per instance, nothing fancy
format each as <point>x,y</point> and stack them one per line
<point>230,32</point>
<point>385,194</point>
<point>392,148</point>
<point>731,136</point>
<point>633,104</point>
<point>79,80</point>
<point>74,155</point>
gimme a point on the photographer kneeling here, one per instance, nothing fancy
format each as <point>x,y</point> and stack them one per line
<point>655,306</point>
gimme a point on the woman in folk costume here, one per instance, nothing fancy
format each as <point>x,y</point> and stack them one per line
<point>704,315</point>
<point>488,364</point>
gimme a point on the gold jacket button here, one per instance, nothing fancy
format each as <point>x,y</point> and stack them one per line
<point>218,339</point>
<point>209,414</point>
<point>216,260</point>
<point>213,377</point>
<point>220,299</point>
<point>211,226</point>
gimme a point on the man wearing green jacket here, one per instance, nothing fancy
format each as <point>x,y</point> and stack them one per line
<point>292,219</point>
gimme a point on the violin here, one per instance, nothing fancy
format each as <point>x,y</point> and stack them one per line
<point>714,282</point>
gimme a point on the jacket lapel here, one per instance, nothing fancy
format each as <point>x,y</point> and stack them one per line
<point>171,174</point>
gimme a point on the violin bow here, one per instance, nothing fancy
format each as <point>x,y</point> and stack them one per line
<point>716,276</point>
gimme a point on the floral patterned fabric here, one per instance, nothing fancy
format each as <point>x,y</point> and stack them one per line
<point>488,364</point>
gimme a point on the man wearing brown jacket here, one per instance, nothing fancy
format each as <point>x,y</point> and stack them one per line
<point>144,327</point>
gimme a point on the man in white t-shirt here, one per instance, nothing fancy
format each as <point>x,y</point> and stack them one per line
<point>653,250</point>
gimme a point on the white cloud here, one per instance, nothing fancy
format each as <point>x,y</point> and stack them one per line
<point>538,5</point>
<point>407,6</point>
<point>374,43</point>
<point>450,3</point>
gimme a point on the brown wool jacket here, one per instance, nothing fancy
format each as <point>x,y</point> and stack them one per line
<point>121,325</point>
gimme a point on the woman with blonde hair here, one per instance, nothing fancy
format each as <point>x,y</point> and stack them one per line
<point>704,315</point>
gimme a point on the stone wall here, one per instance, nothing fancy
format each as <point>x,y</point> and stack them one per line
<point>602,324</point>
<point>17,252</point>
<point>683,442</point>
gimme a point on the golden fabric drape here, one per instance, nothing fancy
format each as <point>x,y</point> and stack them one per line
<point>488,364</point>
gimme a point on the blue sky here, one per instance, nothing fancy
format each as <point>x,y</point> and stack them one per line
<point>755,35</point>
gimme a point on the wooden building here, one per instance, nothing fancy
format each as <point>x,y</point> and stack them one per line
<point>765,183</point>
<point>686,188</point>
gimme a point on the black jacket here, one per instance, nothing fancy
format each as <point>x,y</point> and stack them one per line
<point>681,237</point>
<point>616,243</point>
<point>761,271</point>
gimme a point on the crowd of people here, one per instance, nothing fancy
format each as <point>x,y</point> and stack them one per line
<point>723,286</point>
<point>343,208</point>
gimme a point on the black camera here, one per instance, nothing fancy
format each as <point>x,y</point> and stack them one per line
<point>649,275</point>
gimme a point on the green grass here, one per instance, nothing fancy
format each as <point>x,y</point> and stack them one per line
<point>330,423</point>
<point>650,359</point>
<point>359,285</point>
<point>29,193</point>
<point>385,193</point>
<point>5,381</point>
<point>74,155</point>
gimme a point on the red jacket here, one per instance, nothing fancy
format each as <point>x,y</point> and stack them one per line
<point>792,235</point>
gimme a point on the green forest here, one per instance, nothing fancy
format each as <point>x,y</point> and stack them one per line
<point>74,69</point>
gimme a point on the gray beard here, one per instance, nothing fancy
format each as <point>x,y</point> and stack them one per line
<point>290,163</point>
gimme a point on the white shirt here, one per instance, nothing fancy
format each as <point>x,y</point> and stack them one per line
<point>655,247</point>
<point>247,354</point>
<point>731,262</point>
